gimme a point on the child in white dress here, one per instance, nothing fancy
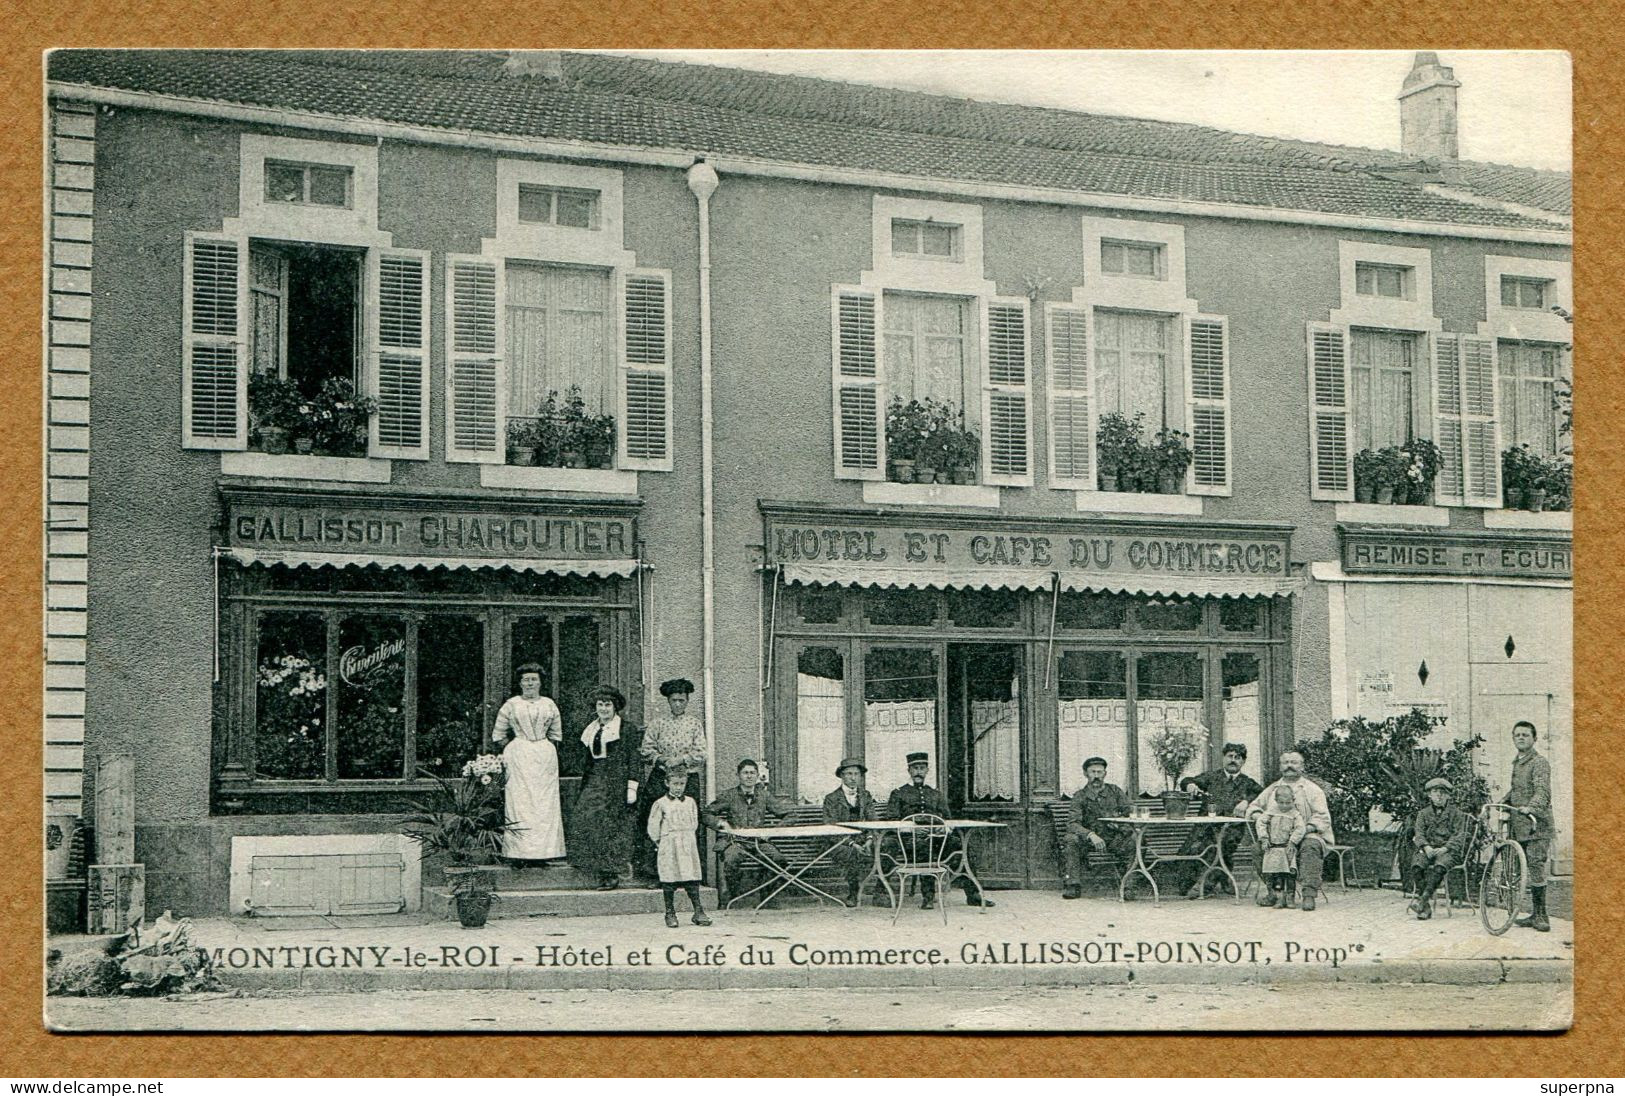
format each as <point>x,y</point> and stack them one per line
<point>1280,828</point>
<point>672,821</point>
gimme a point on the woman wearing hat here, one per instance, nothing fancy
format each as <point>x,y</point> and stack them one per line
<point>529,725</point>
<point>1440,837</point>
<point>600,832</point>
<point>851,802</point>
<point>673,743</point>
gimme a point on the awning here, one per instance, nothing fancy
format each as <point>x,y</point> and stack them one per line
<point>993,578</point>
<point>590,567</point>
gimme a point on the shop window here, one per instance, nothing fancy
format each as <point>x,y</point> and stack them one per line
<point>307,184</point>
<point>372,698</point>
<point>1242,709</point>
<point>820,720</point>
<point>1531,293</point>
<point>566,207</point>
<point>451,693</point>
<point>929,347</point>
<point>1092,700</point>
<point>1131,364</point>
<point>1169,614</point>
<point>305,303</point>
<point>1241,614</point>
<point>925,239</point>
<point>1168,688</point>
<point>1528,374</point>
<point>900,608</point>
<point>819,605</point>
<point>567,648</point>
<point>290,686</point>
<point>1092,612</point>
<point>984,608</point>
<point>1385,382</point>
<point>1135,260</point>
<point>899,712</point>
<point>1384,280</point>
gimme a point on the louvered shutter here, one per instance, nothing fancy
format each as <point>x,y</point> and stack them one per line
<point>400,359</point>
<point>214,352</point>
<point>1006,396</point>
<point>1207,403</point>
<point>1447,420</point>
<point>1481,428</point>
<point>475,388</point>
<point>1331,429</point>
<point>1071,399</point>
<point>860,442</point>
<point>645,396</point>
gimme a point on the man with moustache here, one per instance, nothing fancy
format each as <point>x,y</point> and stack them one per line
<point>1227,790</point>
<point>1085,830</point>
<point>1311,801</point>
<point>918,797</point>
<point>851,802</point>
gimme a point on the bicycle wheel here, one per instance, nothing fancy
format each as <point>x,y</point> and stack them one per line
<point>1500,890</point>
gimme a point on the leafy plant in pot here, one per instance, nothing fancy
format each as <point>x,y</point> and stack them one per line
<point>461,823</point>
<point>1175,745</point>
<point>1117,446</point>
<point>336,419</point>
<point>1367,471</point>
<point>1519,466</point>
<point>1425,461</point>
<point>1559,480</point>
<point>1392,468</point>
<point>905,429</point>
<point>1171,453</point>
<point>524,439</point>
<point>273,411</point>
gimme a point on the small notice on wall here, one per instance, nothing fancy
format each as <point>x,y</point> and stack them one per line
<point>1374,692</point>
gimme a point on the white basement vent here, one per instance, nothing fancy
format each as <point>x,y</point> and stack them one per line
<point>327,883</point>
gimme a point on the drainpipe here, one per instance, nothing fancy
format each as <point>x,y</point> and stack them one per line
<point>703,182</point>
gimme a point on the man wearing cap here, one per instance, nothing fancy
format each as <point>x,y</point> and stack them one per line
<point>1227,790</point>
<point>918,797</point>
<point>851,802</point>
<point>674,741</point>
<point>746,806</point>
<point>1085,830</point>
<point>1440,837</point>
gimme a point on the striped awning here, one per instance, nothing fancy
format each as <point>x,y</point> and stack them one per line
<point>993,578</point>
<point>595,568</point>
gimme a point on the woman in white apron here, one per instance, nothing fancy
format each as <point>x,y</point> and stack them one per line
<point>530,725</point>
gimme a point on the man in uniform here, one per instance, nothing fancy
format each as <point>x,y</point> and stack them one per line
<point>1227,790</point>
<point>1085,830</point>
<point>851,802</point>
<point>1532,827</point>
<point>747,806</point>
<point>918,797</point>
<point>1317,816</point>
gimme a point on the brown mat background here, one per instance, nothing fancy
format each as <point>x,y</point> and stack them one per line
<point>1591,31</point>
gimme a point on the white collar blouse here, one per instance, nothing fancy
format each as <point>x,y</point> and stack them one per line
<point>612,731</point>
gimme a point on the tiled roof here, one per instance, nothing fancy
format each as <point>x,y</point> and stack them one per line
<point>612,100</point>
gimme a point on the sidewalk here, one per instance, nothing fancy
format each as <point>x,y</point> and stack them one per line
<point>1031,938</point>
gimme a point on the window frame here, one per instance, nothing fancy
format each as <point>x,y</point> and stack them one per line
<point>1507,403</point>
<point>593,197</point>
<point>1406,276</point>
<point>1157,251</point>
<point>956,233</point>
<point>306,168</point>
<point>1421,385</point>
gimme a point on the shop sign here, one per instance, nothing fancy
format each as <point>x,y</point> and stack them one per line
<point>357,662</point>
<point>1393,553</point>
<point>795,539</point>
<point>450,531</point>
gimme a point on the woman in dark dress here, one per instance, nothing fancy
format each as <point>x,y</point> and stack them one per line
<point>600,835</point>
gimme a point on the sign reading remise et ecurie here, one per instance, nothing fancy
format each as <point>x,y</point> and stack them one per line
<point>1428,554</point>
<point>1009,545</point>
<point>449,532</point>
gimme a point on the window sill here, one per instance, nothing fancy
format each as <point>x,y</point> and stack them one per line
<point>303,466</point>
<point>1376,513</point>
<point>930,494</point>
<point>575,481</point>
<point>1131,502</point>
<point>1527,519</point>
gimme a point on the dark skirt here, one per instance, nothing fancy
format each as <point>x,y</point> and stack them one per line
<point>599,837</point>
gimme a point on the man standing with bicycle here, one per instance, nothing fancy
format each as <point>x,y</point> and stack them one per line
<point>1531,792</point>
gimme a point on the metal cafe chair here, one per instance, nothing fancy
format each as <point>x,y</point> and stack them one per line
<point>920,851</point>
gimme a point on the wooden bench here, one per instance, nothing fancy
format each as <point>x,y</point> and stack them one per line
<point>798,852</point>
<point>1157,842</point>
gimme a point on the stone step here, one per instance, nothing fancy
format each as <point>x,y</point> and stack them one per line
<point>513,903</point>
<point>556,877</point>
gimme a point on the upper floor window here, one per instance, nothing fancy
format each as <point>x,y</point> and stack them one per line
<point>561,341</point>
<point>304,301</point>
<point>1131,364</point>
<point>929,346</point>
<point>1385,387</point>
<point>1384,280</point>
<point>307,184</point>
<point>1136,260</point>
<point>1533,293</point>
<point>925,239</point>
<point>565,207</point>
<point>1529,373</point>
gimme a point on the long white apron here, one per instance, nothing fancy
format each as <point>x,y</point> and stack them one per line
<point>536,825</point>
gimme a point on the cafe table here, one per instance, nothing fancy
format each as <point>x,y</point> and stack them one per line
<point>1153,834</point>
<point>961,867</point>
<point>821,841</point>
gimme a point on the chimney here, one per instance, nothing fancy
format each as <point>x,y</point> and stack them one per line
<point>1427,110</point>
<point>547,64</point>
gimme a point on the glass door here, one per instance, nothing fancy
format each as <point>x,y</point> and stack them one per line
<point>902,700</point>
<point>814,686</point>
<point>983,765</point>
<point>1169,688</point>
<point>572,650</point>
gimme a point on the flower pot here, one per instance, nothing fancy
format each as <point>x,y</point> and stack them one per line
<point>902,470</point>
<point>1421,495</point>
<point>965,474</point>
<point>1385,496</point>
<point>570,458</point>
<point>274,439</point>
<point>1108,481</point>
<point>598,457</point>
<point>1168,483</point>
<point>304,445</point>
<point>473,909</point>
<point>1535,500</point>
<point>925,475</point>
<point>521,454</point>
<point>1174,804</point>
<point>1512,498</point>
<point>1363,492</point>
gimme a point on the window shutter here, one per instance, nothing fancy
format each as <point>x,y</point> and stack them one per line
<point>1481,428</point>
<point>1071,399</point>
<point>475,392</point>
<point>1447,420</point>
<point>400,358</point>
<point>1331,430</point>
<point>1006,397</point>
<point>645,397</point>
<point>1207,403</point>
<point>214,373</point>
<point>860,443</point>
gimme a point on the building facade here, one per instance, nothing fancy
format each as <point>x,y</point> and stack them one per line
<point>742,273</point>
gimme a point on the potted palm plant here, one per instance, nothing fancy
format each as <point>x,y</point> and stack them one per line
<point>460,824</point>
<point>1175,745</point>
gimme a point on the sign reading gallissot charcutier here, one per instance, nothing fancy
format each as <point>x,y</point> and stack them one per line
<point>1396,553</point>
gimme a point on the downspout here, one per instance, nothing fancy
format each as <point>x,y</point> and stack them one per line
<point>703,182</point>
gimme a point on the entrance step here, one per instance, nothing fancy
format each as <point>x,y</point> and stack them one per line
<point>562,902</point>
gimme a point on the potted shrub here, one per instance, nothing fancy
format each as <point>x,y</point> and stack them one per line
<point>1536,485</point>
<point>337,419</point>
<point>1367,471</point>
<point>1175,745</point>
<point>273,410</point>
<point>461,824</point>
<point>1559,480</point>
<point>524,436</point>
<point>1117,440</point>
<point>905,427</point>
<point>1392,466</point>
<point>1172,456</point>
<point>1425,460</point>
<point>1517,468</point>
<point>595,438</point>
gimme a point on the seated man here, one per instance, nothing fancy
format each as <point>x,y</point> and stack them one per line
<point>918,797</point>
<point>1085,830</point>
<point>747,806</point>
<point>1312,805</point>
<point>851,802</point>
<point>1440,837</point>
<point>1228,791</point>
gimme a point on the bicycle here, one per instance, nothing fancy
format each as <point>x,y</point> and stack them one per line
<point>1501,885</point>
